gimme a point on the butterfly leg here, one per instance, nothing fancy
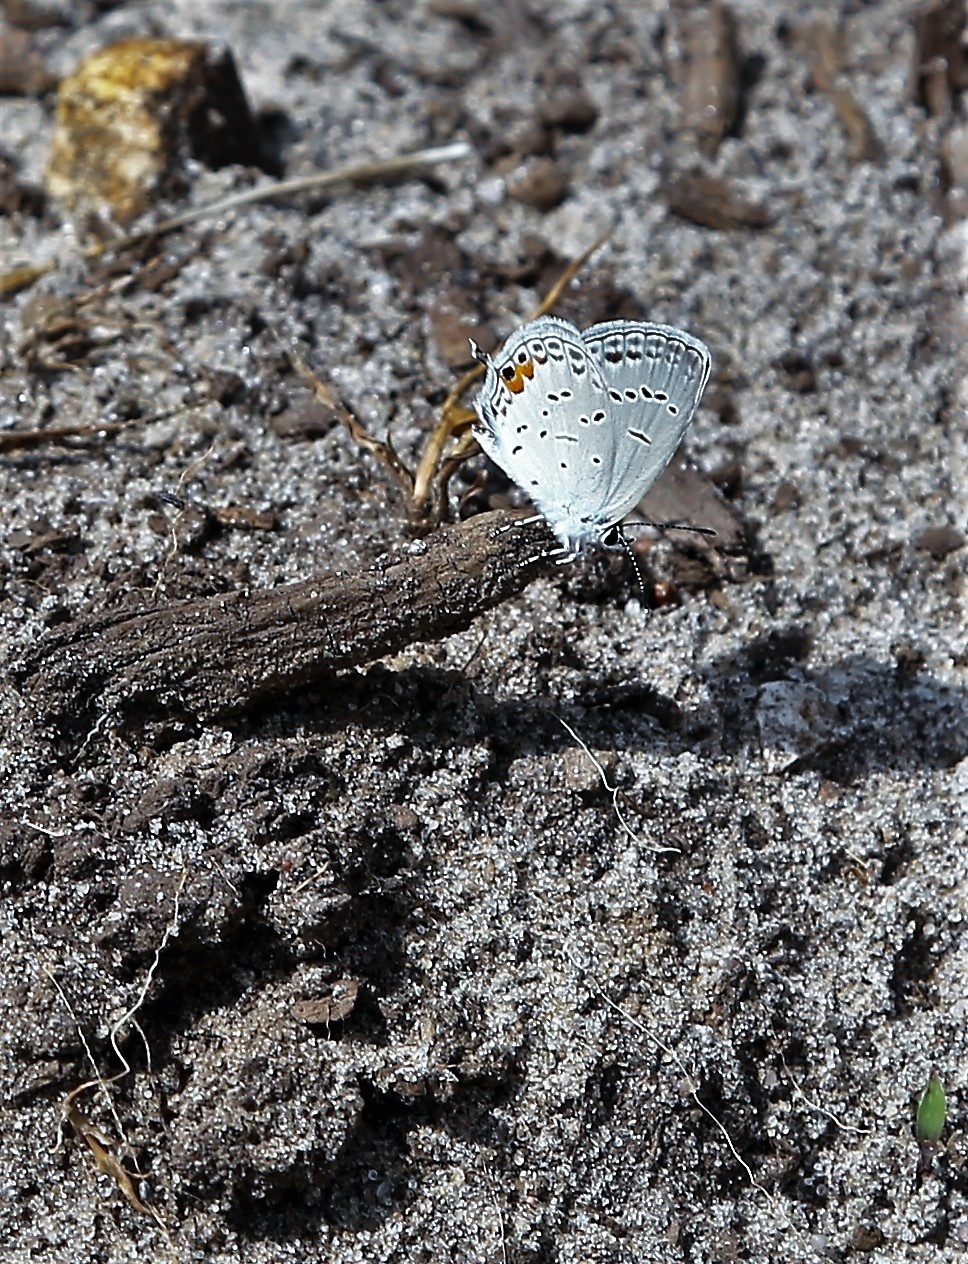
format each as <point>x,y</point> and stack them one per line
<point>559,556</point>
<point>521,522</point>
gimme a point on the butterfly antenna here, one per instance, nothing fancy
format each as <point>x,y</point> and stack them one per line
<point>640,573</point>
<point>673,526</point>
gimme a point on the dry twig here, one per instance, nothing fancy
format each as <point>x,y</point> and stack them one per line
<point>19,278</point>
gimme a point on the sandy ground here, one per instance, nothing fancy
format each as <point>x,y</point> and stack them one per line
<point>687,1019</point>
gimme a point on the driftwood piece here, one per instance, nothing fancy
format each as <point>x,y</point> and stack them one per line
<point>220,655</point>
<point>713,203</point>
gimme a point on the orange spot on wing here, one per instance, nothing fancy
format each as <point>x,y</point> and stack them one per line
<point>521,371</point>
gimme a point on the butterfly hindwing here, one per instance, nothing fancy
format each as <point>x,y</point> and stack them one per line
<point>656,375</point>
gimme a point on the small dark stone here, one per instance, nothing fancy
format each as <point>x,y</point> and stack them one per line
<point>453,330</point>
<point>572,110</point>
<point>435,258</point>
<point>243,518</point>
<point>786,497</point>
<point>308,419</point>
<point>800,370</point>
<point>712,203</point>
<point>939,541</point>
<point>909,659</point>
<point>867,1238</point>
<point>17,198</point>
<point>469,13</point>
<point>190,528</point>
<point>728,477</point>
<point>226,387</point>
<point>542,185</point>
<point>23,70</point>
<point>331,1008</point>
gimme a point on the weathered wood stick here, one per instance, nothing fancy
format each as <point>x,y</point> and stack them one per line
<point>219,655</point>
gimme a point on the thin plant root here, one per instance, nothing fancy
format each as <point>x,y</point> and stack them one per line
<point>103,1148</point>
<point>381,449</point>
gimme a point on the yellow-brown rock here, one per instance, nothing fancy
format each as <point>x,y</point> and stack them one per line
<point>129,115</point>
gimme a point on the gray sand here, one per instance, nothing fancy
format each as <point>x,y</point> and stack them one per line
<point>686,1022</point>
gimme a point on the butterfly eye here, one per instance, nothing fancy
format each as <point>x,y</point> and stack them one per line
<point>611,538</point>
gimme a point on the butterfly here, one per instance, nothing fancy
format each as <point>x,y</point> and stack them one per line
<point>585,423</point>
